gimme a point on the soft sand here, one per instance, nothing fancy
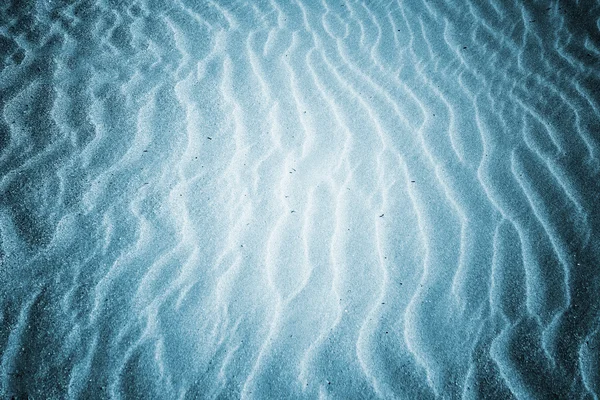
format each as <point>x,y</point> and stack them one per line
<point>299,199</point>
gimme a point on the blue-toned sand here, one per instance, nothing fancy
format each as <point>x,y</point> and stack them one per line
<point>299,199</point>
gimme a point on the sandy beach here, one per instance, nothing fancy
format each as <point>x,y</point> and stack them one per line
<point>299,199</point>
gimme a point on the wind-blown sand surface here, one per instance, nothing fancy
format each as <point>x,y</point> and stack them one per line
<point>299,199</point>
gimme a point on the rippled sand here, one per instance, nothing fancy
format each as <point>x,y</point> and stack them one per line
<point>299,199</point>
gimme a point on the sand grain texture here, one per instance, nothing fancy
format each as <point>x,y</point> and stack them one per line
<point>299,199</point>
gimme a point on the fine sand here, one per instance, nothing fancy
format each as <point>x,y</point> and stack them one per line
<point>292,199</point>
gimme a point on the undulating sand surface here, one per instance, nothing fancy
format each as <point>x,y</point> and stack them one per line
<point>299,199</point>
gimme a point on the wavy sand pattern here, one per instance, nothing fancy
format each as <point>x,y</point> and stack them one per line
<point>299,199</point>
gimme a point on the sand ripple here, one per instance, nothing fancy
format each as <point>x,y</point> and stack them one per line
<point>299,199</point>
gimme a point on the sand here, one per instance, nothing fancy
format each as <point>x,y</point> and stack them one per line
<point>299,199</point>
